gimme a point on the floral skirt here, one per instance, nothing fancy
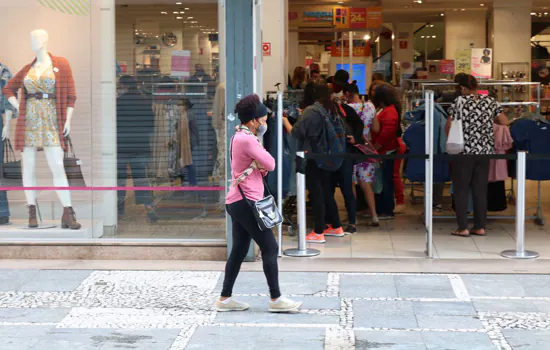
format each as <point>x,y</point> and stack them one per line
<point>363,172</point>
<point>41,129</point>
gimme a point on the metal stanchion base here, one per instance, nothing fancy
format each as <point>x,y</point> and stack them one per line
<point>298,253</point>
<point>513,254</point>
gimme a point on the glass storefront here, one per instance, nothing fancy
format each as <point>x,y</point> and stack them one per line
<point>136,87</point>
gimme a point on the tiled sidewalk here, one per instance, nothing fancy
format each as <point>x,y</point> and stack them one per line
<point>169,310</point>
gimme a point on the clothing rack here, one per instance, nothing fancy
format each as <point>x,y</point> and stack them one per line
<point>538,217</point>
<point>180,86</point>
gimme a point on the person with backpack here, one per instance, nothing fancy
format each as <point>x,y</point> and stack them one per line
<point>321,131</point>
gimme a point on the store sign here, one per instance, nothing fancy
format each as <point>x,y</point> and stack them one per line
<point>357,18</point>
<point>181,63</point>
<point>266,49</point>
<point>463,61</point>
<point>447,67</point>
<point>482,63</point>
<point>317,16</point>
<point>361,48</point>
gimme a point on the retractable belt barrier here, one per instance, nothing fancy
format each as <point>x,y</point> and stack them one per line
<point>521,157</point>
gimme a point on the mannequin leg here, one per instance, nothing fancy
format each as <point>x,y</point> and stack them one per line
<point>29,173</point>
<point>54,156</point>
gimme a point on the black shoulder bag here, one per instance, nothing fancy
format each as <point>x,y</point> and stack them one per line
<point>265,210</point>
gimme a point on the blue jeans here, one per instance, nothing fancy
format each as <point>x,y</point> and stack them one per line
<point>385,202</point>
<point>138,166</point>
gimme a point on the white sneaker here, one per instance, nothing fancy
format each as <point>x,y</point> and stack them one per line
<point>232,305</point>
<point>284,305</point>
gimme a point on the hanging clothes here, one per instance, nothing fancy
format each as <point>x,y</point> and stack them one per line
<point>498,168</point>
<point>533,136</point>
<point>184,140</point>
<point>5,76</point>
<point>165,138</point>
<point>496,196</point>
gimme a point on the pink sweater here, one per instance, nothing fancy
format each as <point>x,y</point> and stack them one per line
<point>245,149</point>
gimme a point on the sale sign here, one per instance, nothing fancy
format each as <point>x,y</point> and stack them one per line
<point>447,67</point>
<point>341,17</point>
<point>463,61</point>
<point>357,18</point>
<point>360,49</point>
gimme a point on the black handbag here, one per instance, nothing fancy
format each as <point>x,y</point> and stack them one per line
<point>72,166</point>
<point>11,168</point>
<point>265,210</point>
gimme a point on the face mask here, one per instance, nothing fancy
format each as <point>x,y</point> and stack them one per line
<point>262,129</point>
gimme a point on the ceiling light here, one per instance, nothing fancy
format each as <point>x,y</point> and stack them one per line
<point>340,2</point>
<point>462,9</point>
<point>433,36</point>
<point>533,14</point>
<point>481,5</point>
<point>182,11</point>
<point>392,36</point>
<point>178,3</point>
<point>189,17</point>
<point>366,37</point>
<point>422,36</point>
<point>442,14</point>
<point>175,12</point>
<point>187,8</point>
<point>418,1</point>
<point>179,17</point>
<point>546,13</point>
<point>164,13</point>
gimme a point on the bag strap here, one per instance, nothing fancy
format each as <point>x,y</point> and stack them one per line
<point>69,148</point>
<point>239,186</point>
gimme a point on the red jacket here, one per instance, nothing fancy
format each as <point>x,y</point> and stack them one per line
<point>65,96</point>
<point>387,137</point>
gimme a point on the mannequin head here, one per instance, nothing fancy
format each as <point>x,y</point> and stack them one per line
<point>39,39</point>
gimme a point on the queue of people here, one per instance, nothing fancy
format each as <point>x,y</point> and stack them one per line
<point>336,121</point>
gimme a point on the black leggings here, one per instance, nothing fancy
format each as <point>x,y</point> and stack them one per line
<point>319,186</point>
<point>245,229</point>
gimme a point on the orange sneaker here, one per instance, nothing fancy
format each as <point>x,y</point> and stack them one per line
<point>334,232</point>
<point>315,238</point>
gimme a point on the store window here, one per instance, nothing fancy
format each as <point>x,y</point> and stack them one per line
<point>121,101</point>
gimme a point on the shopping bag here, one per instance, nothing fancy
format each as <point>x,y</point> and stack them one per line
<point>11,168</point>
<point>455,141</point>
<point>72,166</point>
<point>377,184</point>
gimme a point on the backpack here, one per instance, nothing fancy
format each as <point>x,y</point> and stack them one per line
<point>333,142</point>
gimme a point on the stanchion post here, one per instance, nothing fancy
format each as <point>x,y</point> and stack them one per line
<point>280,165</point>
<point>302,250</point>
<point>428,183</point>
<point>520,252</point>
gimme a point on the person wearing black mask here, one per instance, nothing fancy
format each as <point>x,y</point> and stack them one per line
<point>354,134</point>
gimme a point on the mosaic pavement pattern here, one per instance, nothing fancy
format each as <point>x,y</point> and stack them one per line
<point>172,310</point>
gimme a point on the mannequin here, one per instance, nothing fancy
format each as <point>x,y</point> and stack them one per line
<point>49,73</point>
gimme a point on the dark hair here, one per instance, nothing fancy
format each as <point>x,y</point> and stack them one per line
<point>352,88</point>
<point>314,71</point>
<point>486,52</point>
<point>378,76</point>
<point>370,92</point>
<point>247,107</point>
<point>384,95</point>
<point>318,91</point>
<point>298,77</point>
<point>129,81</point>
<point>467,81</point>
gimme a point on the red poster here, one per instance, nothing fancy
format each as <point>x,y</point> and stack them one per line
<point>360,49</point>
<point>403,44</point>
<point>358,18</point>
<point>447,67</point>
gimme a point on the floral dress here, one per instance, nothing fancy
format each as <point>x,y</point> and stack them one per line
<point>41,128</point>
<point>364,172</point>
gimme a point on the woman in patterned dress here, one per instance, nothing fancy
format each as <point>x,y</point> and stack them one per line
<point>363,173</point>
<point>478,113</point>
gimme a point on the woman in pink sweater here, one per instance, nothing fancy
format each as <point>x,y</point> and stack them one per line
<point>250,162</point>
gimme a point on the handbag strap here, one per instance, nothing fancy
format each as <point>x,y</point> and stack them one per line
<point>8,151</point>
<point>70,147</point>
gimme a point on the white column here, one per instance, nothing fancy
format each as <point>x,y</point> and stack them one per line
<point>512,32</point>
<point>221,39</point>
<point>108,115</point>
<point>294,57</point>
<point>403,32</point>
<point>274,29</point>
<point>465,29</point>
